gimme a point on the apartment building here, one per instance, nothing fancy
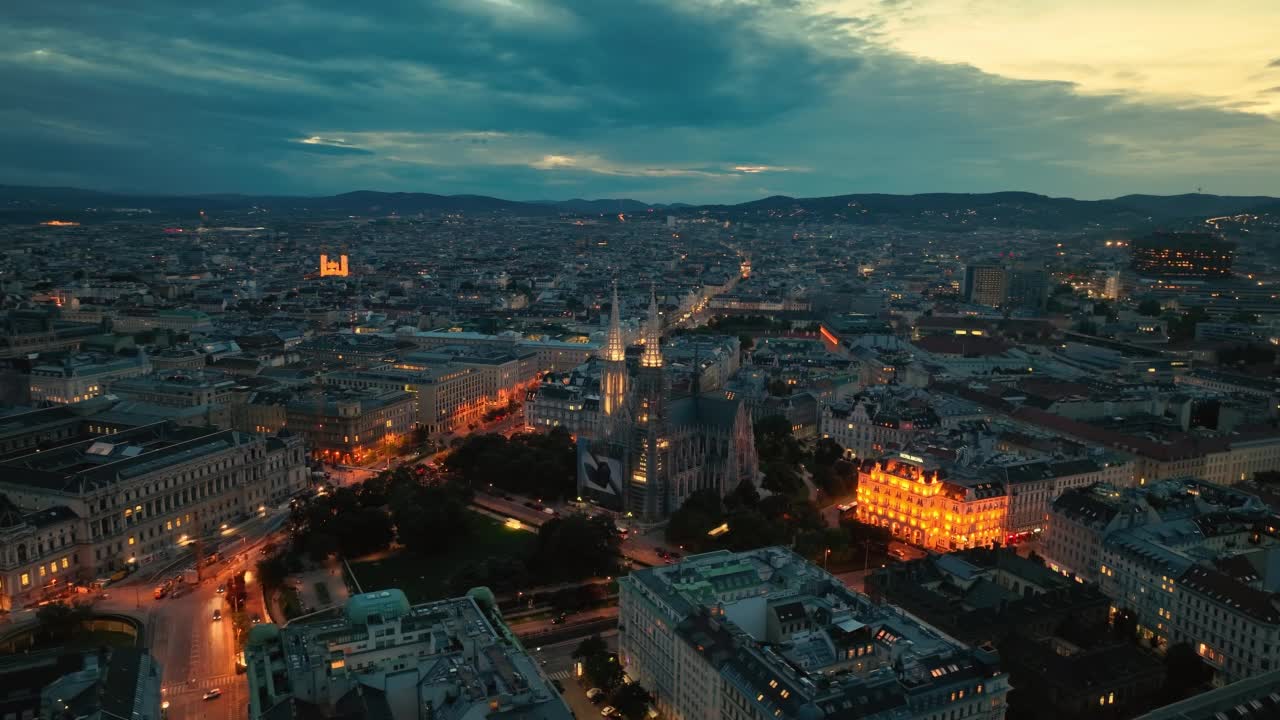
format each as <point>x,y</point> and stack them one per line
<point>1190,561</point>
<point>1033,486</point>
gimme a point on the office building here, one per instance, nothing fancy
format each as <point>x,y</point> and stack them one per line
<point>1028,287</point>
<point>1182,255</point>
<point>132,498</point>
<point>444,397</point>
<point>82,376</point>
<point>763,634</point>
<point>345,426</point>
<point>913,498</point>
<point>380,657</point>
<point>986,285</point>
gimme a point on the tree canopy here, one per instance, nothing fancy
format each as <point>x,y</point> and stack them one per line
<point>541,465</point>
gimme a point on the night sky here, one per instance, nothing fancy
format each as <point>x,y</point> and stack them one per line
<point>688,100</point>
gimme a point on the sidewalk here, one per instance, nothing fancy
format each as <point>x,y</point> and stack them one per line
<point>331,577</point>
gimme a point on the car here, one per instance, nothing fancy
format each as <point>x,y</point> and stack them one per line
<point>255,619</point>
<point>844,507</point>
<point>213,694</point>
<point>673,555</point>
<point>595,695</point>
<point>222,589</point>
<point>559,686</point>
<point>559,618</point>
<point>607,710</point>
<point>217,615</point>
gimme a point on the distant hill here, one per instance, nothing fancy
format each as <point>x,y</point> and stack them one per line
<point>605,205</point>
<point>1195,204</point>
<point>953,210</point>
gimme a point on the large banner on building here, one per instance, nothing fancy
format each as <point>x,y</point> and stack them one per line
<point>599,476</point>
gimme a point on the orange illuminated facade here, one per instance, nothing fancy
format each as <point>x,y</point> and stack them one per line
<point>915,501</point>
<point>336,267</point>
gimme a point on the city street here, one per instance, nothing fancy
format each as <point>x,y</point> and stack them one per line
<point>543,625</point>
<point>557,663</point>
<point>195,652</point>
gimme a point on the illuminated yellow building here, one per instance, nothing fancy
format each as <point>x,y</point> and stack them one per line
<point>914,500</point>
<point>333,268</point>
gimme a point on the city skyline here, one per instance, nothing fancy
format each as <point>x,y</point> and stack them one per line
<point>667,102</point>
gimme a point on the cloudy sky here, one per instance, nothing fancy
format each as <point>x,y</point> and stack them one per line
<point>659,100</point>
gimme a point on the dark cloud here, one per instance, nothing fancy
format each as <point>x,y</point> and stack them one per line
<point>534,99</point>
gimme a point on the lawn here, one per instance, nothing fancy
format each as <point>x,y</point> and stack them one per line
<point>424,579</point>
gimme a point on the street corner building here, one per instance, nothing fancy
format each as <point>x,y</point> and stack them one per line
<point>913,498</point>
<point>763,634</point>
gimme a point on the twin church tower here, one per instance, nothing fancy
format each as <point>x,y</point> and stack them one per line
<point>652,451</point>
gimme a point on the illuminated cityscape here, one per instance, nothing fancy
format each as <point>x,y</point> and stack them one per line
<point>537,360</point>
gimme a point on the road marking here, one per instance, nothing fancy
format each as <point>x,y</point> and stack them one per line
<point>560,675</point>
<point>218,681</point>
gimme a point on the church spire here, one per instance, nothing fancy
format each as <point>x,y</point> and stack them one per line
<point>652,356</point>
<point>614,350</point>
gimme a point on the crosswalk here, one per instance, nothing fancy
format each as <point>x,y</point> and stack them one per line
<point>560,675</point>
<point>200,685</point>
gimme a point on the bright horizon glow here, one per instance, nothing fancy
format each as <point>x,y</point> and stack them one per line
<point>1167,50</point>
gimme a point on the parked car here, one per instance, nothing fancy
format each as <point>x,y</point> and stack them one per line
<point>595,695</point>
